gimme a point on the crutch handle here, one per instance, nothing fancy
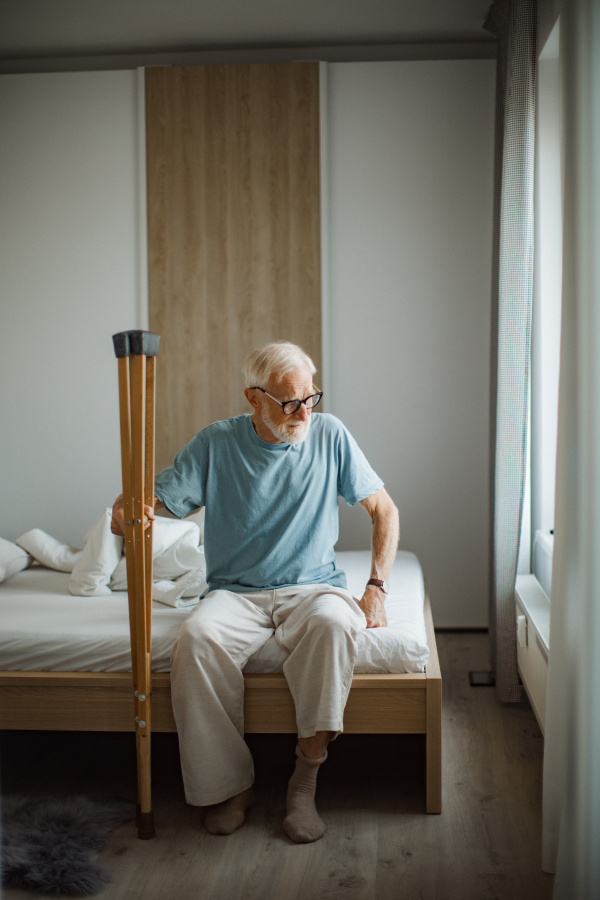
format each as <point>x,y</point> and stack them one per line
<point>136,343</point>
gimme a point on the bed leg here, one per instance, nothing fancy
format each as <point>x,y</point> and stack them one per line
<point>434,745</point>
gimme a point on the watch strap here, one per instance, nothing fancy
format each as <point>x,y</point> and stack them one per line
<point>378,582</point>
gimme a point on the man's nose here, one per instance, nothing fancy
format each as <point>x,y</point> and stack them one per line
<point>303,413</point>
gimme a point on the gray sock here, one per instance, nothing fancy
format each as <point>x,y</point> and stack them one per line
<point>226,817</point>
<point>303,823</point>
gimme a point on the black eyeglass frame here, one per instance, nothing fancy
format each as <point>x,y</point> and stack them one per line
<point>297,403</point>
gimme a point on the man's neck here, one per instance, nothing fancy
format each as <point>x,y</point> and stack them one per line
<point>264,433</point>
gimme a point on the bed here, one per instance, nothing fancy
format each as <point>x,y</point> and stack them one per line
<point>65,664</point>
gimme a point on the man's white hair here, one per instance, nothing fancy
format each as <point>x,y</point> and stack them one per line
<point>280,357</point>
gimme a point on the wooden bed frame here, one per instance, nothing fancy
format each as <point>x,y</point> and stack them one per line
<point>102,701</point>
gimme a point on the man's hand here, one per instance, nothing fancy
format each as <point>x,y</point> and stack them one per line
<point>373,606</point>
<point>117,523</point>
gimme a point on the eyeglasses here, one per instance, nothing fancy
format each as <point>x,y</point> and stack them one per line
<point>292,406</point>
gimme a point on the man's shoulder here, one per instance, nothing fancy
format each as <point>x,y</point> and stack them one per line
<point>327,424</point>
<point>224,430</point>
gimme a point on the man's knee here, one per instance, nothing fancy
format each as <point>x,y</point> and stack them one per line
<point>205,623</point>
<point>333,620</point>
<point>197,638</point>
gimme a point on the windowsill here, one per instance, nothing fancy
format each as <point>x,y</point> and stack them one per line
<point>536,606</point>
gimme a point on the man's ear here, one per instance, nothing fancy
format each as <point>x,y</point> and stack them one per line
<point>251,397</point>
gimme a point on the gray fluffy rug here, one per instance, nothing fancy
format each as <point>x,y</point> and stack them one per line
<point>49,845</point>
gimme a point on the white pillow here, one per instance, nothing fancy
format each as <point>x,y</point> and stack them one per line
<point>175,551</point>
<point>168,532</point>
<point>196,516</point>
<point>101,554</point>
<point>48,551</point>
<point>182,556</point>
<point>13,559</point>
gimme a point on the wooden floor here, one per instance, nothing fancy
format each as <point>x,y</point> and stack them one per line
<point>380,843</point>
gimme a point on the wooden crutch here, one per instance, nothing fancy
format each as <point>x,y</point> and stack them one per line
<point>136,352</point>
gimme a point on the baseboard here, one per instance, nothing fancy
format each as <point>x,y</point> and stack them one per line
<point>450,629</point>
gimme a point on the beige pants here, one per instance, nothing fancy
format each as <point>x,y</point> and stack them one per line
<point>316,624</point>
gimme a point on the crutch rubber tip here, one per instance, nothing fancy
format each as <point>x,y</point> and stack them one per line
<point>145,824</point>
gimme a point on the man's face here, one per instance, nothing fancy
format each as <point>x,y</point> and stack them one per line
<point>294,385</point>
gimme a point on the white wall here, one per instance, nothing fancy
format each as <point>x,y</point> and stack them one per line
<point>410,211</point>
<point>68,280</point>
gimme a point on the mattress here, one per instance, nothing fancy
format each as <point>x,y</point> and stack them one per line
<point>44,628</point>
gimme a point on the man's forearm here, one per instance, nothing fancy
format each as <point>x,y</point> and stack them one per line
<point>386,533</point>
<point>386,530</point>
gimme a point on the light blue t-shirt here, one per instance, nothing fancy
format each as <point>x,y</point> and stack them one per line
<point>271,510</point>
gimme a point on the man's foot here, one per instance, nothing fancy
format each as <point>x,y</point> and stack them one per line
<point>303,823</point>
<point>226,817</point>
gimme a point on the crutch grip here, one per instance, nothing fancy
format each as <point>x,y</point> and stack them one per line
<point>136,343</point>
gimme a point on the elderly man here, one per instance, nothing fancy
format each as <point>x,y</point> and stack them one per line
<point>270,483</point>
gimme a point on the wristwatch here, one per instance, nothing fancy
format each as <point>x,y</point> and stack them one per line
<point>383,585</point>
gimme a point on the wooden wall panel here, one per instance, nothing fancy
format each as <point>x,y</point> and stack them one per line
<point>233,231</point>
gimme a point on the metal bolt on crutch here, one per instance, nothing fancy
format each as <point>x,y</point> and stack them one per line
<point>136,353</point>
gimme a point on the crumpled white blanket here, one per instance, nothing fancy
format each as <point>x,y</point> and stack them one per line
<point>179,568</point>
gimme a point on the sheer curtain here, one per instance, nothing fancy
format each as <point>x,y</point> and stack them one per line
<point>571,809</point>
<point>514,24</point>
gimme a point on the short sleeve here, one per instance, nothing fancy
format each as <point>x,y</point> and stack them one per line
<point>182,486</point>
<point>356,478</point>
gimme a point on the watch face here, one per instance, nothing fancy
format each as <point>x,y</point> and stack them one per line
<point>382,585</point>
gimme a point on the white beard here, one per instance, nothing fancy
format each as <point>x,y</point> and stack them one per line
<point>289,434</point>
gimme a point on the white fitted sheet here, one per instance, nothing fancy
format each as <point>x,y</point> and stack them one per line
<point>44,628</point>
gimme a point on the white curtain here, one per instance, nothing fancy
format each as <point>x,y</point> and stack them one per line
<point>514,24</point>
<point>571,827</point>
